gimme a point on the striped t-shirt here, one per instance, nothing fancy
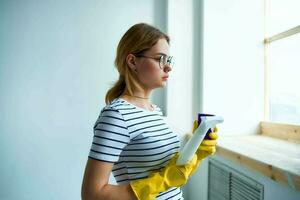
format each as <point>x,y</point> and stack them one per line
<point>136,140</point>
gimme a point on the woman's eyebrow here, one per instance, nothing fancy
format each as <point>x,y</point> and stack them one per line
<point>163,54</point>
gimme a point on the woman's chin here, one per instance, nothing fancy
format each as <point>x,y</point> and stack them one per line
<point>164,83</point>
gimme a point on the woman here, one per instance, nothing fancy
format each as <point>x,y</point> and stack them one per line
<point>131,138</point>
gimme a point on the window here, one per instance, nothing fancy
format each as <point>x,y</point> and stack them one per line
<point>282,62</point>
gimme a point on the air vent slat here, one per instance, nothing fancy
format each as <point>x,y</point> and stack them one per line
<point>238,196</point>
<point>253,187</point>
<point>245,189</point>
<point>226,183</point>
<point>246,195</point>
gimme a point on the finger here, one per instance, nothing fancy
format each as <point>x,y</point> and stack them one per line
<point>213,135</point>
<point>207,148</point>
<point>213,150</point>
<point>202,154</point>
<point>195,125</point>
<point>206,142</point>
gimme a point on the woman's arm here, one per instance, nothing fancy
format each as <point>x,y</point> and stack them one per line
<point>95,183</point>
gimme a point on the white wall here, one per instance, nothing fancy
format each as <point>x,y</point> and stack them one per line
<point>184,89</point>
<point>180,113</point>
<point>56,64</point>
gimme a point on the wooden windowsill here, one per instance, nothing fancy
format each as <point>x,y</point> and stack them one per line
<point>275,158</point>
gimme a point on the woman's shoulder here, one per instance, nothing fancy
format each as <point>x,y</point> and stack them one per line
<point>125,107</point>
<point>116,104</point>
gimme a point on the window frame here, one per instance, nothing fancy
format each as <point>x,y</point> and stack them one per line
<point>266,42</point>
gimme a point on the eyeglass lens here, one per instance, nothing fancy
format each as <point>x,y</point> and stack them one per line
<point>164,60</point>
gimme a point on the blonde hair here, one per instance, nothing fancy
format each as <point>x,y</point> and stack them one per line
<point>137,39</point>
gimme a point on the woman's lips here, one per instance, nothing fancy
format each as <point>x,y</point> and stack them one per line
<point>165,78</point>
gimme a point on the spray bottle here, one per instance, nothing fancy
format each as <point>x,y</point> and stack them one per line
<point>206,122</point>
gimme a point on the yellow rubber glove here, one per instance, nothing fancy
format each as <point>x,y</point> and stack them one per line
<point>171,175</point>
<point>207,146</point>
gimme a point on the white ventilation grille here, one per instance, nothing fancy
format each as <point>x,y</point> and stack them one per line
<point>225,183</point>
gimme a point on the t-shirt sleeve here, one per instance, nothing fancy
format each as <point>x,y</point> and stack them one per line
<point>110,136</point>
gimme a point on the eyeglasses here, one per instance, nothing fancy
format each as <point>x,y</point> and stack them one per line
<point>163,60</point>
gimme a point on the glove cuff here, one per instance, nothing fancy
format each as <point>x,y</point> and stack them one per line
<point>148,188</point>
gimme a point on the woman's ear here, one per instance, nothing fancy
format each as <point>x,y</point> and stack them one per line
<point>130,60</point>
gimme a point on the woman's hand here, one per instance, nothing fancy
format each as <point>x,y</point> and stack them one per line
<point>208,146</point>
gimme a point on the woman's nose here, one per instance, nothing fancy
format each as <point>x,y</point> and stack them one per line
<point>167,68</point>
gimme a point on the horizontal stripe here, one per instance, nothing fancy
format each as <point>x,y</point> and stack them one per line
<point>146,128</point>
<point>173,195</point>
<point>101,160</point>
<point>110,139</point>
<point>176,193</point>
<point>109,110</point>
<point>139,161</point>
<point>141,117</point>
<point>151,147</point>
<point>171,190</point>
<point>156,130</point>
<point>121,104</point>
<point>139,167</point>
<point>132,144</point>
<point>146,166</point>
<point>147,155</point>
<point>110,154</point>
<point>169,133</point>
<point>131,108</point>
<point>128,173</point>
<point>113,117</point>
<point>144,122</point>
<point>106,146</point>
<point>140,111</point>
<point>111,125</point>
<point>113,132</point>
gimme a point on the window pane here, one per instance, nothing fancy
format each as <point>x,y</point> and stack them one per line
<point>285,80</point>
<point>284,15</point>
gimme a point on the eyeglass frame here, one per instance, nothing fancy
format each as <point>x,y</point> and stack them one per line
<point>169,60</point>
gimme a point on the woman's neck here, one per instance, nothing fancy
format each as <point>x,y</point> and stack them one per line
<point>138,100</point>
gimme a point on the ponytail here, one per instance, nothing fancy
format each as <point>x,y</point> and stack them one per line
<point>116,90</point>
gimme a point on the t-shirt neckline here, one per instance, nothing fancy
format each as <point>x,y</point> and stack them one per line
<point>137,107</point>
